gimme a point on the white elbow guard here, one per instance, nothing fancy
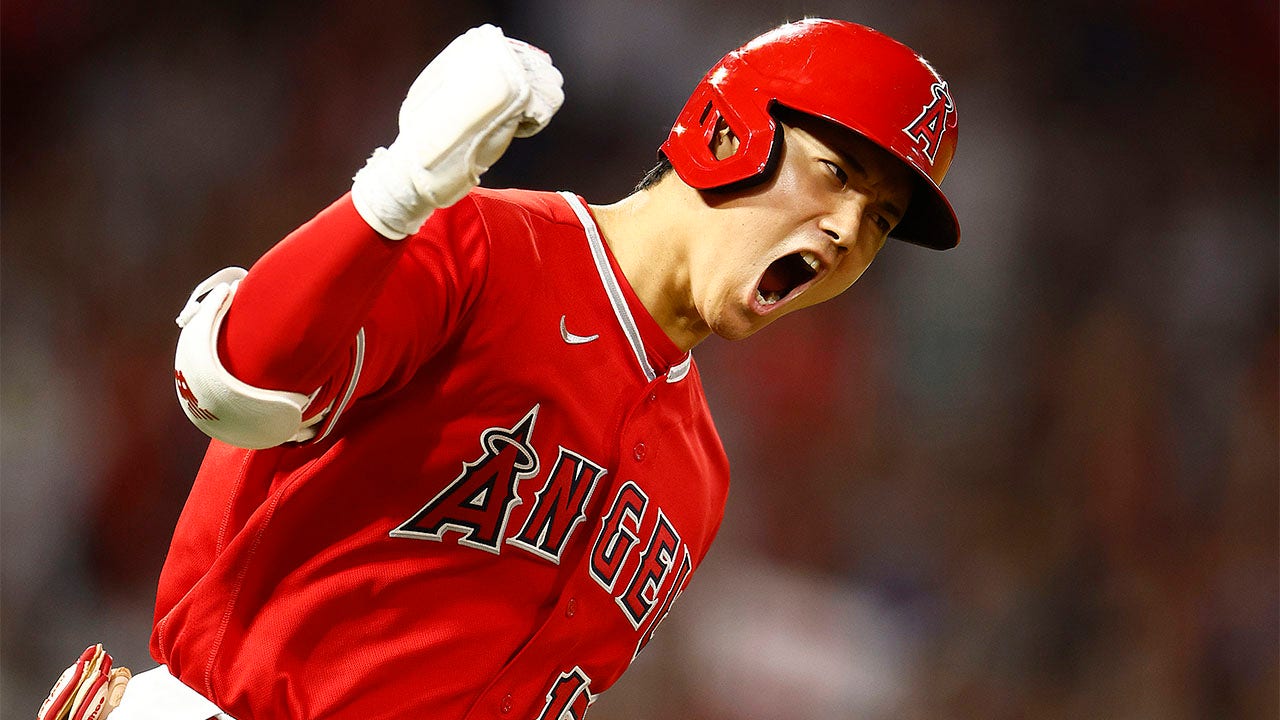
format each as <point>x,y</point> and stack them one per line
<point>219,404</point>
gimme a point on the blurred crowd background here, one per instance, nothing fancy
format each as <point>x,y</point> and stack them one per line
<point>1034,477</point>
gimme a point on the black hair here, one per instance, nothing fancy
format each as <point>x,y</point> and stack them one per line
<point>655,174</point>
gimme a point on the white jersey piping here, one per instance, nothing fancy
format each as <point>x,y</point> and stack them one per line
<point>611,286</point>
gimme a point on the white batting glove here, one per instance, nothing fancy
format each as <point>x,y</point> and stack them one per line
<point>88,690</point>
<point>458,118</point>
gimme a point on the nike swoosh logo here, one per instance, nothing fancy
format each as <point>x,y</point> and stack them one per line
<point>574,339</point>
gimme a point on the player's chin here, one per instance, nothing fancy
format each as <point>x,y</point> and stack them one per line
<point>742,323</point>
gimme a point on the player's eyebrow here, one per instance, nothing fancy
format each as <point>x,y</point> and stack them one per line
<point>894,211</point>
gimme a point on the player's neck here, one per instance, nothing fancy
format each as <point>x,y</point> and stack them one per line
<point>647,232</point>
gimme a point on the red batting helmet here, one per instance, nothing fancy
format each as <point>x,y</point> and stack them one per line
<point>848,74</point>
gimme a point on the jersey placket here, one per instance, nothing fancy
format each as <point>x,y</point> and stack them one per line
<point>590,637</point>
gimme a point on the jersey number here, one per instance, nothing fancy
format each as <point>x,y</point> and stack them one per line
<point>569,697</point>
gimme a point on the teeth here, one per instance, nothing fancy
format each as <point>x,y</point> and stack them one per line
<point>768,299</point>
<point>810,259</point>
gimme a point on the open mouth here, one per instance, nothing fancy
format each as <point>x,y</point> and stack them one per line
<point>784,275</point>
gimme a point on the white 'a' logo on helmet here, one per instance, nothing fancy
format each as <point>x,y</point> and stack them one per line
<point>931,123</point>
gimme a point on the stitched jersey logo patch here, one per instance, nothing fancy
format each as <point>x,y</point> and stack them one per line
<point>573,339</point>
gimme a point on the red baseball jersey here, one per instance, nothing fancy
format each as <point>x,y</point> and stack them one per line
<point>517,476</point>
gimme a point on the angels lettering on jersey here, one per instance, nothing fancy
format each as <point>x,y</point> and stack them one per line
<point>476,508</point>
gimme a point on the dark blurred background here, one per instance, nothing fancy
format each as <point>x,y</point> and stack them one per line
<point>1034,477</point>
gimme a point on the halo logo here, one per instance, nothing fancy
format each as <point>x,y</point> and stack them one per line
<point>932,122</point>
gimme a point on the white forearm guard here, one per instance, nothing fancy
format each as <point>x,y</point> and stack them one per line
<point>220,405</point>
<point>457,119</point>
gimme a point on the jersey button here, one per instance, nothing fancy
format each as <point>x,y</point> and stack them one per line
<point>639,451</point>
<point>507,704</point>
<point>652,397</point>
<point>571,607</point>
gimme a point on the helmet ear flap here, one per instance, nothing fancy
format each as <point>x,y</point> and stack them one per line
<point>692,145</point>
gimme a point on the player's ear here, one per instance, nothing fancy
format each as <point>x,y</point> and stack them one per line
<point>724,143</point>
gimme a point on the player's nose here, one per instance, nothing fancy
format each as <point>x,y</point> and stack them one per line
<point>844,219</point>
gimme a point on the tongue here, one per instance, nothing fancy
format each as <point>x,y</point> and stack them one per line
<point>774,280</point>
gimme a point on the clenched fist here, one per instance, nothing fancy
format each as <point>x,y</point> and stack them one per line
<point>459,116</point>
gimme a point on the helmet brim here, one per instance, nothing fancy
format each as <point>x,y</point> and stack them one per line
<point>929,221</point>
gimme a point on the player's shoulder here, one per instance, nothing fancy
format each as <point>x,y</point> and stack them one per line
<point>519,203</point>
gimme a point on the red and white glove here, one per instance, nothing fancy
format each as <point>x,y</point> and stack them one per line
<point>88,690</point>
<point>459,116</point>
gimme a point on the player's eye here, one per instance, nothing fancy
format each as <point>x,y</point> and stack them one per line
<point>840,175</point>
<point>882,222</point>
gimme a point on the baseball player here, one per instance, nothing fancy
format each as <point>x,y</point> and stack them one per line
<point>462,463</point>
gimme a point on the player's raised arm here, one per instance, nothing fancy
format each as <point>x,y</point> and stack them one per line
<point>260,354</point>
